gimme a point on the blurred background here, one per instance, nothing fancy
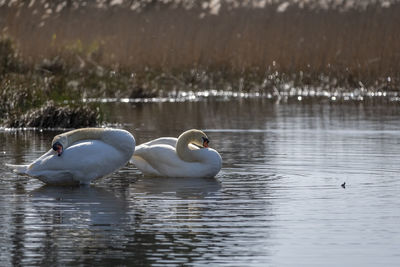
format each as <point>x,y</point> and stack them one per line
<point>350,40</point>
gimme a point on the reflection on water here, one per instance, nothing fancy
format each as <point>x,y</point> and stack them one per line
<point>93,205</point>
<point>277,200</point>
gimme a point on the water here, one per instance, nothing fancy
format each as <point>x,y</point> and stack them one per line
<point>278,200</point>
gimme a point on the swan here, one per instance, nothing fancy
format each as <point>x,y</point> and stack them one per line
<point>185,156</point>
<point>80,156</point>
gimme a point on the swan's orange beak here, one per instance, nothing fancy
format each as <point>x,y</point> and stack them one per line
<point>58,148</point>
<point>205,142</point>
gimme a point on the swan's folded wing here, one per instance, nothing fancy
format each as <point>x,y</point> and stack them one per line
<point>155,159</point>
<point>157,152</point>
<point>171,141</point>
<point>144,166</point>
<point>57,177</point>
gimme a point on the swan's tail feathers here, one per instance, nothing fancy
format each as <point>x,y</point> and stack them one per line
<point>19,169</point>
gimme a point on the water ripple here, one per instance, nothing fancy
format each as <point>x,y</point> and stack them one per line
<point>278,199</point>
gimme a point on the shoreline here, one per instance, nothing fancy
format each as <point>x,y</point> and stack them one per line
<point>65,54</point>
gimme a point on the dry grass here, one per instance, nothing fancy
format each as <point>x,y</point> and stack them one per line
<point>116,52</point>
<point>360,45</point>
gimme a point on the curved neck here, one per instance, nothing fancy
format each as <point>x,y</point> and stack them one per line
<point>183,150</point>
<point>84,134</point>
<point>74,136</point>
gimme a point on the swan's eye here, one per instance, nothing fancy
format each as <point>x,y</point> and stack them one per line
<point>205,142</point>
<point>57,146</point>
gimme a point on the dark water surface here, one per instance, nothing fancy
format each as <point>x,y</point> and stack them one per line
<point>278,200</point>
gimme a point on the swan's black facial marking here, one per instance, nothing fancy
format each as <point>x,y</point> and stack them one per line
<point>205,142</point>
<point>57,146</point>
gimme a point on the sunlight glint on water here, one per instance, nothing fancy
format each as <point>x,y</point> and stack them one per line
<point>277,201</point>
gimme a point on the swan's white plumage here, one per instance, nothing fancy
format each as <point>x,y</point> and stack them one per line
<point>159,158</point>
<point>84,160</point>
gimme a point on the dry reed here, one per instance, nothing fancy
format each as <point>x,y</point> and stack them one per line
<point>361,44</point>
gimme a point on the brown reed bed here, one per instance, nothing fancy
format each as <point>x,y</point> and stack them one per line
<point>360,45</point>
<point>64,55</point>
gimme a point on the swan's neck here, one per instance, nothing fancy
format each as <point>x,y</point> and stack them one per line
<point>183,150</point>
<point>71,137</point>
<point>85,134</point>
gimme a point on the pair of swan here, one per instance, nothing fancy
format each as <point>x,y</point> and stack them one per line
<point>83,155</point>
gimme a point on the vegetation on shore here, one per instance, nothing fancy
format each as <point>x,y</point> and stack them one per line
<point>347,40</point>
<point>55,54</point>
<point>40,98</point>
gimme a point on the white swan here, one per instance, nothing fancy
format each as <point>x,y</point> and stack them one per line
<point>80,156</point>
<point>187,156</point>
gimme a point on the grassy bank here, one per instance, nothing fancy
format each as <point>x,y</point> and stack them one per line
<point>30,100</point>
<point>39,97</point>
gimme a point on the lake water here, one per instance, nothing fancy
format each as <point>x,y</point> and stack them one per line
<point>278,200</point>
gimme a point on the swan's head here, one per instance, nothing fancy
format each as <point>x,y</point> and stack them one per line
<point>195,137</point>
<point>58,144</point>
<point>58,147</point>
<point>192,146</point>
